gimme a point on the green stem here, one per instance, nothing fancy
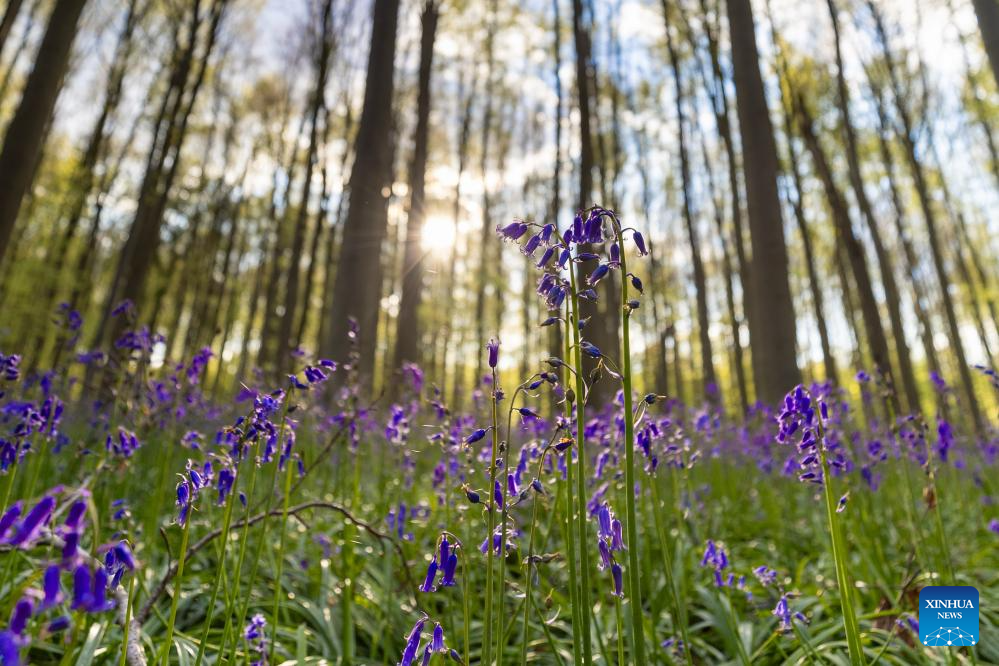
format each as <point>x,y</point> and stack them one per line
<point>252,461</point>
<point>177,582</point>
<point>490,551</point>
<point>584,552</point>
<point>576,613</point>
<point>128,620</point>
<point>839,557</point>
<point>620,631</point>
<point>631,522</point>
<point>528,574</point>
<point>210,613</point>
<point>289,465</point>
<point>679,617</point>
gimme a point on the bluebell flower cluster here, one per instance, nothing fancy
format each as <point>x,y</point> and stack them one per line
<point>800,422</point>
<point>255,634</point>
<point>436,645</point>
<point>445,561</point>
<point>610,541</point>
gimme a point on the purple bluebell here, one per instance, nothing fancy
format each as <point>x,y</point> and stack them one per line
<point>33,523</point>
<point>51,588</point>
<point>428,581</point>
<point>23,610</point>
<point>639,242</point>
<point>413,642</point>
<point>493,348</point>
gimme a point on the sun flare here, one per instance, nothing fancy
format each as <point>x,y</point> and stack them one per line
<point>438,235</point>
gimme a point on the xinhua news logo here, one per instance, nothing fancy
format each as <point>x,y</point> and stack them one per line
<point>948,615</point>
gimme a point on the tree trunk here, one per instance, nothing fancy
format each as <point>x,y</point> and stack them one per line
<point>907,136</point>
<point>797,203</point>
<point>710,388</point>
<point>987,12</point>
<point>772,326</point>
<point>407,340</point>
<point>358,284</point>
<point>25,135</point>
<point>892,299</point>
<point>138,255</point>
<point>287,342</point>
<point>717,92</point>
<point>7,22</point>
<point>876,340</point>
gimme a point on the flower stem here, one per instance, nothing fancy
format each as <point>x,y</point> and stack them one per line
<point>490,551</point>
<point>839,558</point>
<point>177,582</point>
<point>289,464</point>
<point>631,522</point>
<point>584,553</point>
<point>577,652</point>
<point>210,612</point>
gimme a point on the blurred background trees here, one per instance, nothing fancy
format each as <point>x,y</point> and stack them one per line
<point>818,181</point>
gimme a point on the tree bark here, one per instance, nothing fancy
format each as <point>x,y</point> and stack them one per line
<point>907,136</point>
<point>711,389</point>
<point>287,341</point>
<point>7,22</point>
<point>26,132</point>
<point>407,340</point>
<point>772,327</point>
<point>358,284</point>
<point>987,12</point>
<point>892,299</point>
<point>876,341</point>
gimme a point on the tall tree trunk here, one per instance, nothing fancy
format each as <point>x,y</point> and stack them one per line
<point>658,361</point>
<point>907,136</point>
<point>892,300</point>
<point>797,203</point>
<point>287,342</point>
<point>25,135</point>
<point>407,339</point>
<point>711,388</point>
<point>718,94</point>
<point>7,22</point>
<point>137,257</point>
<point>599,328</point>
<point>358,284</point>
<point>876,341</point>
<point>987,12</point>
<point>84,172</point>
<point>486,234</point>
<point>920,299</point>
<point>465,100</point>
<point>772,325</point>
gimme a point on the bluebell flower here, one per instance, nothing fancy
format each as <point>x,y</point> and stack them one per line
<point>23,610</point>
<point>51,588</point>
<point>428,581</point>
<point>476,435</point>
<point>590,349</point>
<point>413,642</point>
<point>255,634</point>
<point>765,575</point>
<point>639,242</point>
<point>60,623</point>
<point>9,518</point>
<point>30,528</point>
<point>617,575</point>
<point>599,273</point>
<point>716,558</point>
<point>493,347</point>
<point>546,256</point>
<point>10,648</point>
